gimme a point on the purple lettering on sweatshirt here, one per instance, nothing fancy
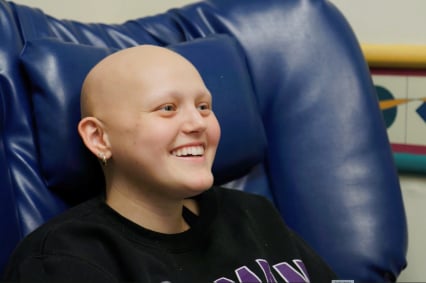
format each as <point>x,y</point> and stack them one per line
<point>290,274</point>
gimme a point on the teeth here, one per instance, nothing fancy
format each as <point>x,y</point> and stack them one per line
<point>189,151</point>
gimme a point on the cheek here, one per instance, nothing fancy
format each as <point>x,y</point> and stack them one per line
<point>154,136</point>
<point>214,131</point>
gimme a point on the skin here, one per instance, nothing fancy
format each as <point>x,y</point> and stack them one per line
<point>144,108</point>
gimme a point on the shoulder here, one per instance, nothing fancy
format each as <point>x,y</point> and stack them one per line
<point>246,208</point>
<point>260,217</point>
<point>76,215</point>
<point>230,194</point>
<point>243,200</point>
<point>50,236</point>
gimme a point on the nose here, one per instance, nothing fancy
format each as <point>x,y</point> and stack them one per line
<point>194,121</point>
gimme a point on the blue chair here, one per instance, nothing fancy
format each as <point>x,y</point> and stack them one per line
<point>300,120</point>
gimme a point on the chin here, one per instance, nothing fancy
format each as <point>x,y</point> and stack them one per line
<point>200,185</point>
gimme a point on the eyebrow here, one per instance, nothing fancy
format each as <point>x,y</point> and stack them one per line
<point>177,94</point>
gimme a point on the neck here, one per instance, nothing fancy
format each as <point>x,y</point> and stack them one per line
<point>159,215</point>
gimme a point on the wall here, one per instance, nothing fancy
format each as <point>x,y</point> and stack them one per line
<point>112,11</point>
<point>378,21</point>
<point>386,21</point>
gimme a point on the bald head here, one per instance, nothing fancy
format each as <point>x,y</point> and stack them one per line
<point>141,105</point>
<point>114,79</point>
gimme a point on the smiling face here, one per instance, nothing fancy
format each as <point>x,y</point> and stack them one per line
<point>155,122</point>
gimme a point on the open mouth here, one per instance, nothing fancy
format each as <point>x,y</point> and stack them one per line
<point>189,151</point>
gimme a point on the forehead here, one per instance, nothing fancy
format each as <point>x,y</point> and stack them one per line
<point>168,87</point>
<point>148,73</point>
<point>152,81</point>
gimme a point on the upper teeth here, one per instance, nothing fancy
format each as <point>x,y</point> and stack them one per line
<point>190,150</point>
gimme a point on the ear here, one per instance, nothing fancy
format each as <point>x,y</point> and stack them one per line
<point>94,136</point>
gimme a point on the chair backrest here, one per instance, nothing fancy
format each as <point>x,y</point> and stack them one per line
<point>300,120</point>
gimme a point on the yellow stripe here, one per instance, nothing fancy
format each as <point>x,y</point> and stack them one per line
<point>395,56</point>
<point>386,104</point>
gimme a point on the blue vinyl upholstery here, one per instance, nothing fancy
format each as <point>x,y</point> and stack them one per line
<point>301,122</point>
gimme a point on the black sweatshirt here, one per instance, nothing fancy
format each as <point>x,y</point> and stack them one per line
<point>237,237</point>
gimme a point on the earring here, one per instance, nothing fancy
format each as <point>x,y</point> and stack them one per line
<point>103,158</point>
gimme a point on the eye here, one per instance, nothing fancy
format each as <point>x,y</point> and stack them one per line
<point>167,108</point>
<point>204,107</point>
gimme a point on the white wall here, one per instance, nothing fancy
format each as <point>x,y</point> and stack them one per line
<point>374,21</point>
<point>111,11</point>
<point>414,193</point>
<point>386,21</point>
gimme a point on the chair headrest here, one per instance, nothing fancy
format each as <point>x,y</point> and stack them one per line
<point>56,71</point>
